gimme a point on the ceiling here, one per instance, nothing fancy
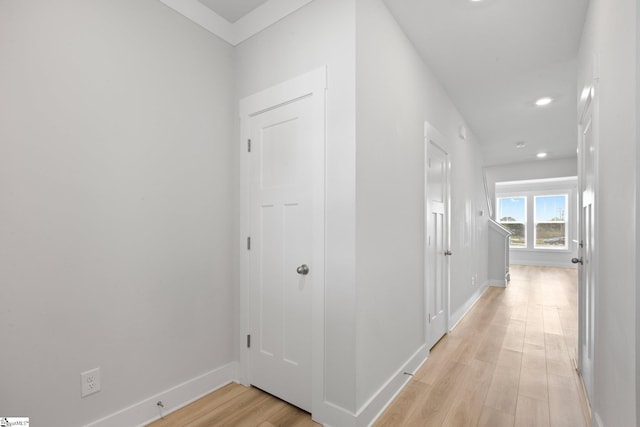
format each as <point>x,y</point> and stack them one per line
<point>495,58</point>
<point>232,10</point>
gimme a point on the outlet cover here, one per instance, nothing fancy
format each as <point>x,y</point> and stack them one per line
<point>90,382</point>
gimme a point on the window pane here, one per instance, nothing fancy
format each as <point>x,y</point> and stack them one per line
<point>551,235</point>
<point>512,209</point>
<point>512,213</point>
<point>551,208</point>
<point>550,222</point>
<point>518,237</point>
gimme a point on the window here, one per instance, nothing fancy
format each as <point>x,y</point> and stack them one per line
<point>542,215</point>
<point>550,213</point>
<point>512,213</point>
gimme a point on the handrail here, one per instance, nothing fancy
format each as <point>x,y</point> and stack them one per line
<point>500,227</point>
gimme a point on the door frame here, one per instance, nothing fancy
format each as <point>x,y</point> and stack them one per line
<point>312,84</point>
<point>431,133</point>
<point>588,99</point>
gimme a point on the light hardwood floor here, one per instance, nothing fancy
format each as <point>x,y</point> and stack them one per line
<point>509,362</point>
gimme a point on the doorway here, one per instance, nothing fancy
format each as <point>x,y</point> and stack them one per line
<point>437,235</point>
<point>282,235</point>
<point>587,269</point>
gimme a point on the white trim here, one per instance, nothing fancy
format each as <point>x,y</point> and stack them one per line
<point>596,420</point>
<point>467,306</point>
<point>264,16</point>
<point>557,182</point>
<point>496,283</point>
<point>543,263</point>
<point>249,25</point>
<point>335,416</point>
<point>146,411</point>
<point>375,406</point>
<point>205,17</point>
<point>312,84</point>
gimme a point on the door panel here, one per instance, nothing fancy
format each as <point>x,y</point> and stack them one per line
<point>281,231</point>
<point>437,238</point>
<point>587,270</point>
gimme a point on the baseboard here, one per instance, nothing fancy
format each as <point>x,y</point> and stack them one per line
<point>596,420</point>
<point>497,283</point>
<point>544,263</point>
<point>333,415</point>
<point>374,407</point>
<point>456,317</point>
<point>146,411</point>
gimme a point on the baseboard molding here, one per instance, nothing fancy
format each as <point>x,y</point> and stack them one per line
<point>335,416</point>
<point>543,263</point>
<point>146,411</point>
<point>596,420</point>
<point>497,283</point>
<point>459,314</point>
<point>374,407</point>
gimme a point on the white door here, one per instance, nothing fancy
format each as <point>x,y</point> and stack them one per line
<point>437,236</point>
<point>586,265</point>
<point>282,214</point>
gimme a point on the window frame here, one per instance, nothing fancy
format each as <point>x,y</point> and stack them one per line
<point>543,187</point>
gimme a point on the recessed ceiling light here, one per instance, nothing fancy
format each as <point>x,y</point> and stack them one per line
<point>541,155</point>
<point>543,101</point>
<point>520,144</point>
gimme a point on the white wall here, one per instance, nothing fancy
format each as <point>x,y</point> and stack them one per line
<point>543,169</point>
<point>115,181</point>
<point>637,217</point>
<point>608,53</point>
<point>396,93</point>
<point>321,33</point>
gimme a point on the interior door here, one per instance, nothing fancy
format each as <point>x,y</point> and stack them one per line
<point>282,273</point>
<point>587,151</point>
<point>437,236</point>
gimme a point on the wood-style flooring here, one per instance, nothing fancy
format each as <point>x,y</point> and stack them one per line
<point>509,362</point>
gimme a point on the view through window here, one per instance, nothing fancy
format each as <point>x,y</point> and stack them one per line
<point>550,222</point>
<point>512,213</point>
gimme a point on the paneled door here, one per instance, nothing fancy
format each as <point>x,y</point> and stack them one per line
<point>587,270</point>
<point>282,168</point>
<point>437,235</point>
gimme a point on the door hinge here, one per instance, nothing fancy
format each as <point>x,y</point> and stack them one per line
<point>429,317</point>
<point>248,243</point>
<point>248,145</point>
<point>248,341</point>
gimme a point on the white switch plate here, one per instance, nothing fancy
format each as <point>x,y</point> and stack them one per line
<point>90,382</point>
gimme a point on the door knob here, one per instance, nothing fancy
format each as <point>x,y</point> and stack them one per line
<point>303,269</point>
<point>577,260</point>
<point>447,253</point>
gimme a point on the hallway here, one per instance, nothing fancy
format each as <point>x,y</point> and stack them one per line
<point>508,362</point>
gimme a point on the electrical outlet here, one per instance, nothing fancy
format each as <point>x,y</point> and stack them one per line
<point>90,382</point>
<point>473,280</point>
